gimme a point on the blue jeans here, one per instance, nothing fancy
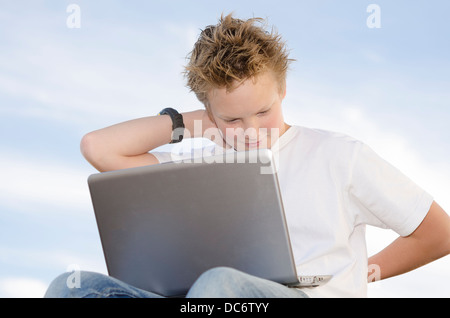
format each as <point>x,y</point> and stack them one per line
<point>220,282</point>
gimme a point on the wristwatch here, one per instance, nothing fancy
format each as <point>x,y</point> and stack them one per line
<point>177,124</point>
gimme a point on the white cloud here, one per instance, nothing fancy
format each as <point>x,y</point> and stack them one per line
<point>35,258</point>
<point>34,261</point>
<point>372,56</point>
<point>29,185</point>
<point>22,287</point>
<point>188,34</point>
<point>67,82</point>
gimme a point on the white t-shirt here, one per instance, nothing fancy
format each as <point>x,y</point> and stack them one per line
<point>332,186</point>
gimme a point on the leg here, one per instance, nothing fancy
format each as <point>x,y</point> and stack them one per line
<point>223,282</point>
<point>94,285</point>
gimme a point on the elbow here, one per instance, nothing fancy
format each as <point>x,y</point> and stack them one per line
<point>86,146</point>
<point>90,148</point>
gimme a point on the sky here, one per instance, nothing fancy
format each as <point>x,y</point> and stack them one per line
<point>387,86</point>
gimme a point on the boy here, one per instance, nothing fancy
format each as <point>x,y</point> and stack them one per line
<point>332,185</point>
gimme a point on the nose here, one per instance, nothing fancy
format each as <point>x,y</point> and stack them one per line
<point>251,130</point>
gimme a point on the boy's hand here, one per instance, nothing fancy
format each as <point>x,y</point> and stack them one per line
<point>429,242</point>
<point>209,128</point>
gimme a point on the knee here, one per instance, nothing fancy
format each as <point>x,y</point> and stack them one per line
<point>58,287</point>
<point>217,282</point>
<point>221,274</point>
<point>75,284</point>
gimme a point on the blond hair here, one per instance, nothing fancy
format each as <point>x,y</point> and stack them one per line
<point>233,51</point>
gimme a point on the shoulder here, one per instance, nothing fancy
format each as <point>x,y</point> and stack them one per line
<point>324,151</point>
<point>326,141</point>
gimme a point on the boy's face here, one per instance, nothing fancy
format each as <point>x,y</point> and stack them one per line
<point>250,116</point>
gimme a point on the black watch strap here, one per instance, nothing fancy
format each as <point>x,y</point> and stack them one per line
<point>177,124</point>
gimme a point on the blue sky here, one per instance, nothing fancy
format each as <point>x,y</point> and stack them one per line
<point>388,87</point>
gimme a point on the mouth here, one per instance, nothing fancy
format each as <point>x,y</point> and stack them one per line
<point>252,144</point>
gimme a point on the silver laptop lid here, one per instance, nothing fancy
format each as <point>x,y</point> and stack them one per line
<point>162,226</point>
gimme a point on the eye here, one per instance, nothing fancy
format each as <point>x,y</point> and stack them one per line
<point>263,113</point>
<point>231,121</point>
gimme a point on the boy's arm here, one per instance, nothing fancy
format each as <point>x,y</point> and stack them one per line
<point>429,242</point>
<point>127,144</point>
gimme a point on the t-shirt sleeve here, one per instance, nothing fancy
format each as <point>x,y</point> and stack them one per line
<point>163,157</point>
<point>180,154</point>
<point>382,196</point>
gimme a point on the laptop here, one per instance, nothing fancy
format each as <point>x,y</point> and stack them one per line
<point>162,226</point>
